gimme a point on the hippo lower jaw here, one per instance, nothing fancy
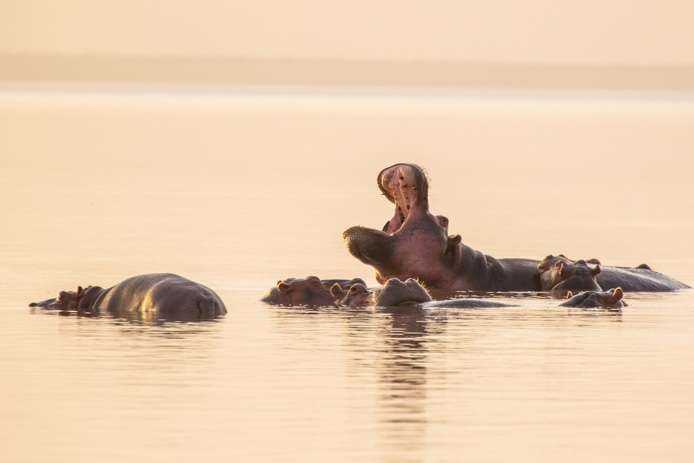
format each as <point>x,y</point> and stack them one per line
<point>370,246</point>
<point>47,304</point>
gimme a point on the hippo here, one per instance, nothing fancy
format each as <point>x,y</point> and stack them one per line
<point>413,244</point>
<point>152,296</point>
<point>611,299</point>
<point>396,292</point>
<point>356,295</point>
<point>564,275</point>
<point>310,291</point>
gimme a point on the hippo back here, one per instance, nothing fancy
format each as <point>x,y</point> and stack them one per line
<point>160,296</point>
<point>637,279</point>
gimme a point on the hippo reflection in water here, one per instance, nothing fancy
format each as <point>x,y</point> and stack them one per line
<point>414,244</point>
<point>151,296</point>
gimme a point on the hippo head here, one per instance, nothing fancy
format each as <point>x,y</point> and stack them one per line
<point>82,299</point>
<point>561,275</point>
<point>354,296</point>
<point>611,299</point>
<point>412,244</point>
<point>300,291</point>
<point>548,270</point>
<point>398,292</point>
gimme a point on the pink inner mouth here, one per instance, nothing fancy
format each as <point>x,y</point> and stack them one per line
<point>400,183</point>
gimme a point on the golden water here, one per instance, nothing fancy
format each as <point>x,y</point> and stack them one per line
<point>237,189</point>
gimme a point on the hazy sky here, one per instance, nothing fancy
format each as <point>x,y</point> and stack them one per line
<point>549,31</point>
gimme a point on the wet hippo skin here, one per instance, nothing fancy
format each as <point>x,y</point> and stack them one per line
<point>396,292</point>
<point>559,275</point>
<point>415,244</point>
<point>611,299</point>
<point>309,291</point>
<point>152,296</point>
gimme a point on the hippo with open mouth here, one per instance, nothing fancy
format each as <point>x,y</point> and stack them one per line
<point>150,296</point>
<point>415,244</point>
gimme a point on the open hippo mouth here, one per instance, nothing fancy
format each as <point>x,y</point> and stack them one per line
<point>411,238</point>
<point>406,186</point>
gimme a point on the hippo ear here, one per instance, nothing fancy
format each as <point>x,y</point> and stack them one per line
<point>569,294</point>
<point>284,287</point>
<point>617,294</point>
<point>354,281</point>
<point>454,241</point>
<point>337,291</point>
<point>594,261</point>
<point>543,265</point>
<point>596,270</point>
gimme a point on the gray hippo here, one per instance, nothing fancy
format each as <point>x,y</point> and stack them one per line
<point>559,276</point>
<point>611,299</point>
<point>396,292</point>
<point>309,291</point>
<point>410,292</point>
<point>151,296</point>
<point>413,244</point>
<point>357,295</point>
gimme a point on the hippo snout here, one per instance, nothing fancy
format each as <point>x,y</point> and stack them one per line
<point>351,232</point>
<point>372,247</point>
<point>351,237</point>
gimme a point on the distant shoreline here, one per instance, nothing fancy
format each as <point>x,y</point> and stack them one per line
<point>330,73</point>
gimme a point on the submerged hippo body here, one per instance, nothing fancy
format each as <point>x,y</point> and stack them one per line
<point>309,291</point>
<point>611,299</point>
<point>396,292</point>
<point>149,296</point>
<point>414,244</point>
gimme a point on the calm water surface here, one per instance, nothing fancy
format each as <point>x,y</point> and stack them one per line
<point>237,191</point>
